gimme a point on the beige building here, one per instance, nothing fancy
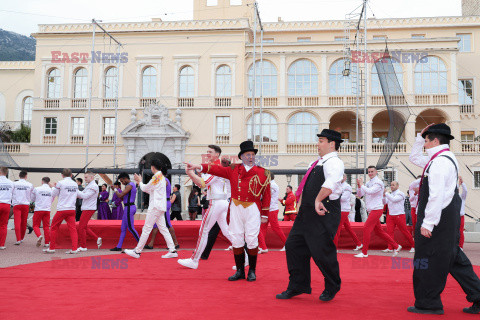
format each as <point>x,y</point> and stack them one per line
<point>186,84</point>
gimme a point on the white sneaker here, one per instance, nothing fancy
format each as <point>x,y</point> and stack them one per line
<point>99,242</point>
<point>39,241</point>
<point>387,250</point>
<point>3,248</point>
<point>229,248</point>
<point>283,249</point>
<point>397,250</point>
<point>260,251</point>
<point>18,243</point>
<point>412,250</point>
<point>361,255</point>
<point>48,251</point>
<point>47,245</point>
<point>80,249</point>
<point>132,253</point>
<point>189,263</point>
<point>72,251</point>
<point>170,255</point>
<point>358,247</point>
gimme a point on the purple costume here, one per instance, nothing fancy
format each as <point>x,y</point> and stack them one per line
<point>128,213</point>
<point>104,212</point>
<point>117,212</point>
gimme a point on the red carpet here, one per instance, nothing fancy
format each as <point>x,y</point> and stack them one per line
<point>156,288</point>
<point>187,234</point>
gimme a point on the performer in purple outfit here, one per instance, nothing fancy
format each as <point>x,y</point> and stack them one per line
<point>117,207</point>
<point>104,212</point>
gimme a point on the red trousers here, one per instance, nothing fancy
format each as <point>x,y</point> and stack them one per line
<point>44,217</point>
<point>69,217</point>
<point>413,212</point>
<point>273,220</point>
<point>401,223</point>
<point>4,215</point>
<point>20,216</point>
<point>289,217</point>
<point>346,224</point>
<point>373,224</point>
<point>83,228</point>
<point>462,227</point>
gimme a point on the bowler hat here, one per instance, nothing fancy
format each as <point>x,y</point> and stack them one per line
<point>440,128</point>
<point>331,135</point>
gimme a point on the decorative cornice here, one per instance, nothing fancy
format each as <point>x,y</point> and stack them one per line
<point>16,65</point>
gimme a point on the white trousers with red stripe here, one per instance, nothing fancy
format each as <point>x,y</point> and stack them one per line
<point>244,225</point>
<point>216,212</point>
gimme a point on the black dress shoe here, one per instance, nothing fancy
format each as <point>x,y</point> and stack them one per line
<point>288,294</point>
<point>30,229</point>
<point>203,258</point>
<point>474,309</point>
<point>148,247</point>
<point>237,276</point>
<point>327,295</point>
<point>424,311</point>
<point>251,275</point>
<point>177,246</point>
<point>116,249</point>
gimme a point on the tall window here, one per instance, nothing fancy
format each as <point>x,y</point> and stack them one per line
<point>108,126</point>
<point>80,83</point>
<point>149,82</point>
<point>302,79</point>
<point>389,176</point>
<point>465,92</point>
<point>223,126</point>
<point>50,126</point>
<point>476,179</point>
<point>430,76</point>
<point>465,44</point>
<point>266,74</point>
<point>78,126</point>
<point>340,84</point>
<point>268,125</point>
<point>54,84</point>
<point>224,82</point>
<point>187,82</point>
<point>111,85</point>
<point>27,110</point>
<point>390,76</point>
<point>302,128</point>
<point>468,136</point>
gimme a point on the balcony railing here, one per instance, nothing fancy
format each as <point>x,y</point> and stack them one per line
<point>350,147</point>
<point>268,147</point>
<point>223,139</point>
<point>51,103</point>
<point>76,140</point>
<point>145,102</point>
<point>467,108</point>
<point>223,102</point>
<point>186,102</point>
<point>393,101</point>
<point>10,148</point>
<point>108,139</point>
<point>344,100</point>
<point>267,102</point>
<point>49,139</point>
<point>79,103</point>
<point>401,147</point>
<point>431,99</point>
<point>470,147</point>
<point>302,148</point>
<point>302,101</point>
<point>110,103</point>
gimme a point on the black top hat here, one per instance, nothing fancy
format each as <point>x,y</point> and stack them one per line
<point>246,146</point>
<point>331,135</point>
<point>440,128</point>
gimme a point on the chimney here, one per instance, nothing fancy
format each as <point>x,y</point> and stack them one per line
<point>470,8</point>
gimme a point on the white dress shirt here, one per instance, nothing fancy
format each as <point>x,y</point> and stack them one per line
<point>6,190</point>
<point>216,187</point>
<point>442,179</point>
<point>373,192</point>
<point>42,196</point>
<point>464,198</point>
<point>66,190</point>
<point>395,202</point>
<point>274,190</point>
<point>411,193</point>
<point>333,170</point>
<point>89,196</point>
<point>345,199</point>
<point>22,192</point>
<point>156,188</point>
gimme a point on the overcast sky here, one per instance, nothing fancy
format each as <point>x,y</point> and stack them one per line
<point>23,16</point>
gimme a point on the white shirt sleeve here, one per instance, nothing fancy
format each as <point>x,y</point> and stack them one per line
<point>146,187</point>
<point>333,175</point>
<point>395,198</point>
<point>86,193</point>
<point>56,190</point>
<point>372,190</point>
<point>464,192</point>
<point>417,157</point>
<point>33,195</point>
<point>437,177</point>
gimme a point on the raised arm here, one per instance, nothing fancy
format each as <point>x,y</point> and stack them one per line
<point>86,193</point>
<point>396,197</point>
<point>125,191</point>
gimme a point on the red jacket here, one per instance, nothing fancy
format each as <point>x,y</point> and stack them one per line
<point>290,203</point>
<point>247,187</point>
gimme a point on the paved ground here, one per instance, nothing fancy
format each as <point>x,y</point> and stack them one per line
<point>27,252</point>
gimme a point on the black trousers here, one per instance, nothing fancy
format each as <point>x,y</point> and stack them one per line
<point>177,215</point>
<point>312,237</point>
<point>212,237</point>
<point>78,212</point>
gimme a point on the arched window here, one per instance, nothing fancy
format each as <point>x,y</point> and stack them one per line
<point>302,79</point>
<point>80,80</point>
<point>390,77</point>
<point>54,84</point>
<point>302,128</point>
<point>149,82</point>
<point>430,76</point>
<point>338,83</point>
<point>269,128</point>
<point>266,73</point>
<point>224,82</point>
<point>111,85</point>
<point>186,82</point>
<point>27,110</point>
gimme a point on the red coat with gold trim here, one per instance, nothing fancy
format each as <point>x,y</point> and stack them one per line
<point>290,203</point>
<point>251,186</point>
